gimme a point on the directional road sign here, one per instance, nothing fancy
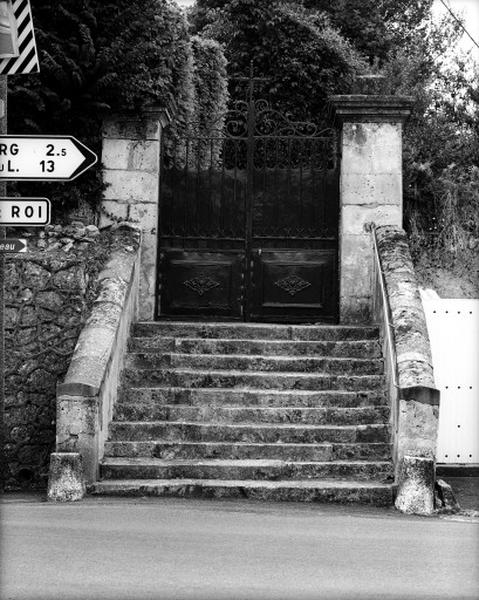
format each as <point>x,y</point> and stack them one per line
<point>24,212</point>
<point>37,158</point>
<point>13,245</point>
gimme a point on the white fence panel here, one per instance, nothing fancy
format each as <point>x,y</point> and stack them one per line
<point>453,327</point>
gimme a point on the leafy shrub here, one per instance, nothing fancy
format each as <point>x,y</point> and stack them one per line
<point>99,57</point>
<point>441,150</point>
<point>302,56</point>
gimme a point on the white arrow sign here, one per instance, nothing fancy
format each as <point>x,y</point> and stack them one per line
<point>36,158</point>
<point>24,212</point>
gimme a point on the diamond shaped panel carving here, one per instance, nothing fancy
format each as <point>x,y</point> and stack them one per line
<point>201,285</point>
<point>292,284</point>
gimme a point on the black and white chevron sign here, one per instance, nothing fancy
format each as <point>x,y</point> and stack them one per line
<point>27,60</point>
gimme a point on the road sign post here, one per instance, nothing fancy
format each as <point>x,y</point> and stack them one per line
<point>3,129</point>
<point>38,158</point>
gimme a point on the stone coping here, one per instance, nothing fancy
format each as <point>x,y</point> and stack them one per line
<point>95,344</point>
<point>370,108</point>
<point>413,351</point>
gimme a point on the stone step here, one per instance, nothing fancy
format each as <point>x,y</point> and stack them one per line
<point>252,397</point>
<point>269,470</point>
<point>196,378</point>
<point>352,349</point>
<point>145,411</point>
<point>252,432</point>
<point>358,492</point>
<point>244,450</point>
<point>239,330</point>
<point>221,362</point>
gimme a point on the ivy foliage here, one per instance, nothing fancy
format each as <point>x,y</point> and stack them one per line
<point>99,57</point>
<point>210,84</point>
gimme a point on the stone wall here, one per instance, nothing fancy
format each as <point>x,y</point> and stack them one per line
<point>49,291</point>
<point>408,371</point>
<point>418,410</point>
<point>87,397</point>
<point>131,159</point>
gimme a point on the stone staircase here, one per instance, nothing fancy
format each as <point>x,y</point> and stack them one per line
<point>270,412</point>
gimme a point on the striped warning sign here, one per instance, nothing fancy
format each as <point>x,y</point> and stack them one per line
<point>27,59</point>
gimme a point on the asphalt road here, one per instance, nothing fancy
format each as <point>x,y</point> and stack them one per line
<point>175,549</point>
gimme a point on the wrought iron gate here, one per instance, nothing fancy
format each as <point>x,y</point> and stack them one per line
<point>249,219</point>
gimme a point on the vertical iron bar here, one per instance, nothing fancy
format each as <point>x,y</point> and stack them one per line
<point>232,213</point>
<point>199,215</point>
<point>211,200</point>
<point>284,213</point>
<point>279,183</point>
<point>324,192</point>
<point>185,201</point>
<point>314,198</point>
<point>222,226</point>
<point>301,217</point>
<point>249,197</point>
<point>267,206</point>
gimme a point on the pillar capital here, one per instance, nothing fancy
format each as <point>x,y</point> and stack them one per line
<point>365,108</point>
<point>144,125</point>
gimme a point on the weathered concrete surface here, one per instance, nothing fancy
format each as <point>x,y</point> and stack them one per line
<point>95,344</point>
<point>244,471</point>
<point>153,408</point>
<point>353,349</point>
<point>86,398</point>
<point>413,349</point>
<point>243,450</point>
<point>418,399</point>
<point>143,411</point>
<point>415,494</point>
<point>417,413</point>
<point>302,364</point>
<point>370,189</point>
<point>185,550</point>
<point>253,331</point>
<point>257,397</point>
<point>65,482</point>
<point>131,155</point>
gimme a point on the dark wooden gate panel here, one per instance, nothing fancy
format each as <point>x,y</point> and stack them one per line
<point>249,221</point>
<point>206,283</point>
<point>298,282</point>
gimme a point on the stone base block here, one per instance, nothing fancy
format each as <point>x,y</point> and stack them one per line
<point>416,486</point>
<point>65,480</point>
<point>445,499</point>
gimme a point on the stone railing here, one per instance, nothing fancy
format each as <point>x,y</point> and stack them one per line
<point>398,311</point>
<point>86,398</point>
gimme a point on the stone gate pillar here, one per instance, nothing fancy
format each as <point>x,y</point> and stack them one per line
<point>131,160</point>
<point>370,189</point>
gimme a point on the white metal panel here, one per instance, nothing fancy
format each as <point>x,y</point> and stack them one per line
<point>453,327</point>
